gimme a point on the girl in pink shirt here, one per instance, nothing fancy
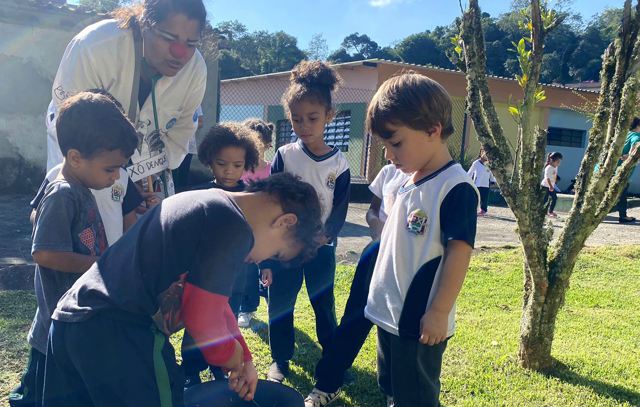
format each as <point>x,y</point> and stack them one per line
<point>265,130</point>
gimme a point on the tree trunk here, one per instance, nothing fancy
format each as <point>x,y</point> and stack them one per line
<point>536,329</point>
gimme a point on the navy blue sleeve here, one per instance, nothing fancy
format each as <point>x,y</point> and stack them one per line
<point>36,199</point>
<point>132,199</point>
<point>336,219</point>
<point>277,165</point>
<point>459,214</point>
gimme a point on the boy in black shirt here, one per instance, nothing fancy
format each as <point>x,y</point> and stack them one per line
<point>105,348</point>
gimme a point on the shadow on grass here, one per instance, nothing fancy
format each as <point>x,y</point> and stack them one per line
<point>566,373</point>
<point>363,391</point>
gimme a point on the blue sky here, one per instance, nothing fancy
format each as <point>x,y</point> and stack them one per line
<point>385,21</point>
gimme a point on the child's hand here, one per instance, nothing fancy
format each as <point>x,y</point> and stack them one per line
<point>433,327</point>
<point>244,381</point>
<point>267,277</point>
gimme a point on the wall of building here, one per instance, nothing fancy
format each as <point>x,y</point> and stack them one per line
<point>32,42</point>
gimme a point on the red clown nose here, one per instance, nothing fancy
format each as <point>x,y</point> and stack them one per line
<point>178,50</point>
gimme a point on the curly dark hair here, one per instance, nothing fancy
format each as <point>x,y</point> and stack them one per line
<point>264,129</point>
<point>228,134</point>
<point>300,198</point>
<point>311,80</point>
<point>93,123</point>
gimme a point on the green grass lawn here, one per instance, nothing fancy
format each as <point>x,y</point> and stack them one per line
<point>597,343</point>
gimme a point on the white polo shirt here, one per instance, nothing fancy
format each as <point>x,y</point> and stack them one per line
<point>425,216</point>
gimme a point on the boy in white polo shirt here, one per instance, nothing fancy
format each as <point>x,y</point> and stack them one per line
<point>426,243</point>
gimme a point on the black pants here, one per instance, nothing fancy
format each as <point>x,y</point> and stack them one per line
<point>319,274</point>
<point>29,393</point>
<point>250,297</point>
<point>409,371</point>
<point>553,195</point>
<point>112,359</point>
<point>484,198</point>
<point>353,330</point>
<point>622,203</point>
<point>217,394</point>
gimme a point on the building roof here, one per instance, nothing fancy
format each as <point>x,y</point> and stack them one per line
<point>374,62</point>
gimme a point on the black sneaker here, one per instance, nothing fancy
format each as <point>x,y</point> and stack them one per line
<point>627,219</point>
<point>278,371</point>
<point>190,381</point>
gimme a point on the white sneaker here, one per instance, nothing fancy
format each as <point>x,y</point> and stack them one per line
<point>390,402</point>
<point>244,319</point>
<point>318,398</point>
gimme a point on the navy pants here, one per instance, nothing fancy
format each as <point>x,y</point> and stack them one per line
<point>319,274</point>
<point>353,330</point>
<point>111,359</point>
<point>622,203</point>
<point>484,198</point>
<point>217,394</point>
<point>29,393</point>
<point>250,298</point>
<point>409,371</point>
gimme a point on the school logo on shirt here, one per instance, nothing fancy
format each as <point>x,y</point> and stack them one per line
<point>331,180</point>
<point>117,192</point>
<point>417,222</point>
<point>171,123</point>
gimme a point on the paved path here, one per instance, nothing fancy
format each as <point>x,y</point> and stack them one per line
<point>495,230</point>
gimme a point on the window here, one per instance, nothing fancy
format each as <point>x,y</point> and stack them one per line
<point>335,134</point>
<point>557,136</point>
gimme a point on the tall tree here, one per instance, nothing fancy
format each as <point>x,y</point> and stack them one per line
<point>245,53</point>
<point>318,49</point>
<point>548,269</point>
<point>422,49</point>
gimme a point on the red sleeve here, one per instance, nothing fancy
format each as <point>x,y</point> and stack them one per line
<point>232,326</point>
<point>205,318</point>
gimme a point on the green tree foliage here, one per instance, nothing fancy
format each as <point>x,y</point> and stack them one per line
<point>244,53</point>
<point>357,47</point>
<point>422,49</point>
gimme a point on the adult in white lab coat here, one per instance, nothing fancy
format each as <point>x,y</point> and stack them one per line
<point>172,77</point>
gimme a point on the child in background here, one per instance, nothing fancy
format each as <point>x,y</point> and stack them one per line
<point>251,297</point>
<point>265,131</point>
<point>384,188</point>
<point>426,242</point>
<point>482,178</point>
<point>307,103</point>
<point>228,150</point>
<point>354,328</point>
<point>68,235</point>
<point>549,181</point>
